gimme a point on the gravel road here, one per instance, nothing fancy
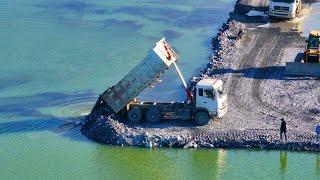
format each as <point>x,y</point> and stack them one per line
<point>259,94</point>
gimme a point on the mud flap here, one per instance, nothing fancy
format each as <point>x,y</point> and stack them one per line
<point>302,69</point>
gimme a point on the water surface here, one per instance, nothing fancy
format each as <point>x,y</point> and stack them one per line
<point>57,56</point>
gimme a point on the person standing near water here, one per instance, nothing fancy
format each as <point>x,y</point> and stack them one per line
<point>318,131</point>
<point>283,129</point>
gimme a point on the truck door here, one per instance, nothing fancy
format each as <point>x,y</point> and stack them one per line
<point>206,99</point>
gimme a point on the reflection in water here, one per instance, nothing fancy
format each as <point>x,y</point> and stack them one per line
<point>211,160</point>
<point>220,162</point>
<point>132,163</point>
<point>318,165</point>
<point>283,163</point>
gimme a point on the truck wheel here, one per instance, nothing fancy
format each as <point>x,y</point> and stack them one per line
<point>153,115</point>
<point>202,118</point>
<point>134,114</point>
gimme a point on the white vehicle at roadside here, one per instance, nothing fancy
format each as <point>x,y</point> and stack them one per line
<point>284,8</point>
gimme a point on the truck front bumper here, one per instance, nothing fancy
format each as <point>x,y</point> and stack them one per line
<point>281,14</point>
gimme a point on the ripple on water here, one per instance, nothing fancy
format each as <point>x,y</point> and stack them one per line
<point>72,108</point>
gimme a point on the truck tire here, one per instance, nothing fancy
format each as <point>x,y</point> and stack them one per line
<point>153,115</point>
<point>202,118</point>
<point>135,114</point>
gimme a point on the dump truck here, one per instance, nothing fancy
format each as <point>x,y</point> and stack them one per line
<point>284,8</point>
<point>310,65</point>
<point>207,101</point>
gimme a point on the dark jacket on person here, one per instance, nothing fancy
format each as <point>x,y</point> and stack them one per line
<point>318,129</point>
<point>283,127</point>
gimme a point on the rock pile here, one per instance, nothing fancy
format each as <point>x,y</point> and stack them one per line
<point>109,129</point>
<point>223,46</point>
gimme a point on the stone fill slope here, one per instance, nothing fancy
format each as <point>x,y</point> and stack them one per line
<point>259,94</point>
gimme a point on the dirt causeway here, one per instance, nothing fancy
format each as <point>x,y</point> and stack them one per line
<point>259,94</point>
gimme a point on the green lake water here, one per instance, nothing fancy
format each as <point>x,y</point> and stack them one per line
<point>57,56</point>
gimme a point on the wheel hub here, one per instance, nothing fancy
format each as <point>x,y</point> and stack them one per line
<point>134,116</point>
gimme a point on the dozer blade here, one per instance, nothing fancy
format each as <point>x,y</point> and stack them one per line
<point>302,69</point>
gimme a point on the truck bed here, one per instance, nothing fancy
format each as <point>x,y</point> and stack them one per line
<point>140,77</point>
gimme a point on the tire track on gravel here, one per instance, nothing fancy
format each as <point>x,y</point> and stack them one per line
<point>273,48</point>
<point>259,48</point>
<point>263,52</point>
<point>283,41</point>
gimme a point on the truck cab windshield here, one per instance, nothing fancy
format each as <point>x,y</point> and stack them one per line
<point>313,42</point>
<point>208,93</point>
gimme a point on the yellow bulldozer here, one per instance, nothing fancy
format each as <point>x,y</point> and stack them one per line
<point>313,50</point>
<point>310,66</point>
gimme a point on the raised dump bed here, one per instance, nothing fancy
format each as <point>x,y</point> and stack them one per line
<point>149,69</point>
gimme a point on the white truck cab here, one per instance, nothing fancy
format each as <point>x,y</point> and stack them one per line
<point>284,8</point>
<point>210,96</point>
